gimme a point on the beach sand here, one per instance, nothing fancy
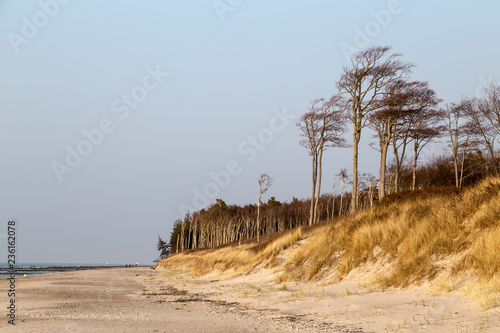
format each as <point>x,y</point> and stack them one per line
<point>147,300</point>
<point>122,300</point>
<point>349,306</point>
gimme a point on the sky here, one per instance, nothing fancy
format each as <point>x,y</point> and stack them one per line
<point>118,116</point>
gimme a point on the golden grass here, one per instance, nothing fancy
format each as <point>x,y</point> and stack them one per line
<point>242,259</point>
<point>417,231</point>
<point>484,292</point>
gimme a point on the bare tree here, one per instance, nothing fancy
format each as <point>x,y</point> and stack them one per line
<point>413,101</point>
<point>491,107</point>
<point>321,127</point>
<point>343,175</point>
<point>426,127</point>
<point>402,107</point>
<point>265,183</point>
<point>364,82</point>
<point>333,196</point>
<point>368,182</point>
<point>461,137</point>
<point>383,123</point>
<point>484,113</point>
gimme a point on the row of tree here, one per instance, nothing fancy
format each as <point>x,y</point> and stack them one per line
<point>375,92</point>
<point>221,223</point>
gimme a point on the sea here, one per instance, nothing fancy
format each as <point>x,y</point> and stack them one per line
<point>30,269</point>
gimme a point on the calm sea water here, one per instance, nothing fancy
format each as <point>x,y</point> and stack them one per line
<point>28,269</point>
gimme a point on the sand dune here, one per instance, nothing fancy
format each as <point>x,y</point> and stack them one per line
<point>348,306</point>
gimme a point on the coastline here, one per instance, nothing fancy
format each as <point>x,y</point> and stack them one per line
<point>122,300</point>
<point>146,300</point>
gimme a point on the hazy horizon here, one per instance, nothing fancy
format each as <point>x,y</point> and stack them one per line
<point>117,116</point>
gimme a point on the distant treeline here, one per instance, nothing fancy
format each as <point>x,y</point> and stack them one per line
<point>221,223</point>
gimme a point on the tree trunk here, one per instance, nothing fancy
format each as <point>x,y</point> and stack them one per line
<point>383,162</point>
<point>462,162</point>
<point>320,157</point>
<point>341,195</point>
<point>398,166</point>
<point>415,160</point>
<point>354,200</point>
<point>182,236</point>
<point>455,164</point>
<point>258,219</point>
<point>314,181</point>
<point>333,204</point>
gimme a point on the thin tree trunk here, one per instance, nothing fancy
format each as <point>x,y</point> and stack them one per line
<point>182,236</point>
<point>455,163</point>
<point>396,174</point>
<point>320,157</point>
<point>333,203</point>
<point>383,162</point>
<point>341,195</point>
<point>258,219</point>
<point>314,181</point>
<point>354,201</point>
<point>415,161</point>
<point>462,162</point>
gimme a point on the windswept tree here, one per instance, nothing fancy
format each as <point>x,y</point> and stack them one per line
<point>416,121</point>
<point>383,122</point>
<point>491,106</point>
<point>162,247</point>
<point>343,176</point>
<point>462,139</point>
<point>426,127</point>
<point>484,113</point>
<point>405,114</point>
<point>364,83</point>
<point>265,183</point>
<point>321,127</point>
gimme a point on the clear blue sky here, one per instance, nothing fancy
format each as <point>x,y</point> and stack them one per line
<point>73,66</point>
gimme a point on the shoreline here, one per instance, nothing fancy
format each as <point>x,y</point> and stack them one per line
<point>145,300</point>
<point>126,300</point>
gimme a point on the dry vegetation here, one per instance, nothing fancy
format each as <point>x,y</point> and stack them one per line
<point>445,236</point>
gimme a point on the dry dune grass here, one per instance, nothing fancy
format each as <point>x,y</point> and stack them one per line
<point>424,233</point>
<point>242,259</point>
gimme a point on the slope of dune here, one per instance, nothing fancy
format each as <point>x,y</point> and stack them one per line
<point>443,241</point>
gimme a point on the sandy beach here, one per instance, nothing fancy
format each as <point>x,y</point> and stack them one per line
<point>126,300</point>
<point>147,300</point>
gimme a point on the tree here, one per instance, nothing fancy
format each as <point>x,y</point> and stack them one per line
<point>364,82</point>
<point>484,113</point>
<point>367,184</point>
<point>491,107</point>
<point>427,126</point>
<point>265,183</point>
<point>388,120</point>
<point>415,120</point>
<point>383,122</point>
<point>321,127</point>
<point>343,175</point>
<point>162,246</point>
<point>175,236</point>
<point>461,137</point>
